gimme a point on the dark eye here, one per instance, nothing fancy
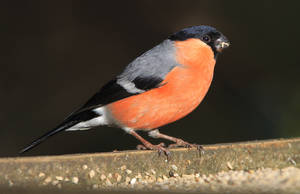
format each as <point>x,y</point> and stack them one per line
<point>206,38</point>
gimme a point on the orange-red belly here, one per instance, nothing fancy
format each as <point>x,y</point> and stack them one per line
<point>183,90</point>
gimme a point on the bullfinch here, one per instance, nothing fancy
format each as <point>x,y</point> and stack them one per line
<point>159,87</point>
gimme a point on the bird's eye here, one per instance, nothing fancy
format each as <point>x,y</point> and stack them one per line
<point>206,38</point>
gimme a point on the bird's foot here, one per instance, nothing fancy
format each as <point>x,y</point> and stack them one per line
<point>178,142</point>
<point>159,147</point>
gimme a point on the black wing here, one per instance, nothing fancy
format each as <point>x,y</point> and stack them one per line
<point>110,92</point>
<point>144,73</point>
<point>113,91</point>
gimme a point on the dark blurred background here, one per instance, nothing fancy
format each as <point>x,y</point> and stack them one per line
<point>56,54</point>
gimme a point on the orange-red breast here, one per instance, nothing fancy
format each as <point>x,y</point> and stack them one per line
<point>159,87</point>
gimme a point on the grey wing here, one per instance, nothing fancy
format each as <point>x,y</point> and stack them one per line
<point>144,73</point>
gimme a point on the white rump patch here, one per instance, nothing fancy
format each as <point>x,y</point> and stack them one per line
<point>97,121</point>
<point>85,125</point>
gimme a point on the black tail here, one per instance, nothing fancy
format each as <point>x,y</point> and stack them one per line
<point>47,135</point>
<point>70,121</point>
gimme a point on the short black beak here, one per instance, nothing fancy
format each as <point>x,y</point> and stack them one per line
<point>221,43</point>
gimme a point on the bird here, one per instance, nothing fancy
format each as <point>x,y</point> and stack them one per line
<point>162,85</point>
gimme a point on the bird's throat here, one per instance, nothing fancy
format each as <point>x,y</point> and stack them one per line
<point>194,53</point>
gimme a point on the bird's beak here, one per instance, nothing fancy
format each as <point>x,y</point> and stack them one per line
<point>221,43</point>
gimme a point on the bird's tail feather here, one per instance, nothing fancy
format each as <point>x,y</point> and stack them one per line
<point>47,135</point>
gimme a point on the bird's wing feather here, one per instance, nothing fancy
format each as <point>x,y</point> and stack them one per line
<point>144,73</point>
<point>114,91</point>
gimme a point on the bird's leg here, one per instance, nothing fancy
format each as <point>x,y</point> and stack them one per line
<point>148,145</point>
<point>178,142</point>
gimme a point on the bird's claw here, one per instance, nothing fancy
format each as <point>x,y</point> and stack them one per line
<point>159,147</point>
<point>163,150</point>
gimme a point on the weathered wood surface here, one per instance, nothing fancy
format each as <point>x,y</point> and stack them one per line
<point>118,169</point>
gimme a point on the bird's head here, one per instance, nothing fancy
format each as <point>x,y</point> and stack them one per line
<point>209,35</point>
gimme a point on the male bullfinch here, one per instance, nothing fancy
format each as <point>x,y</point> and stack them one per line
<point>159,87</point>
